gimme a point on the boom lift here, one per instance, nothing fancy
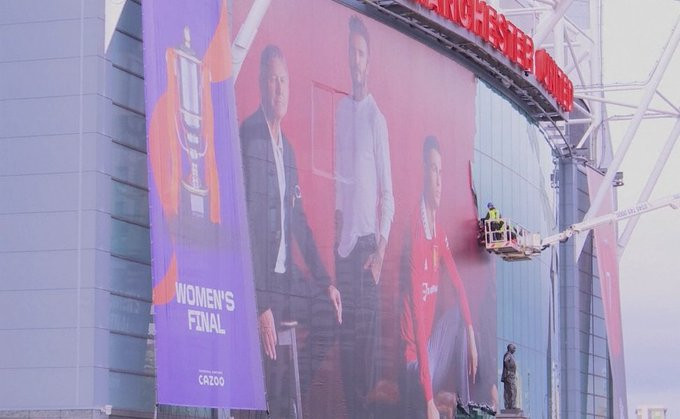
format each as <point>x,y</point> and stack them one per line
<point>513,242</point>
<point>510,240</point>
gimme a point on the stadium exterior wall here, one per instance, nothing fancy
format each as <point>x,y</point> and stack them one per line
<point>75,254</point>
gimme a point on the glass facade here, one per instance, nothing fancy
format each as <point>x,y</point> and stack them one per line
<point>130,348</point>
<point>585,371</point>
<point>512,164</point>
<point>595,375</point>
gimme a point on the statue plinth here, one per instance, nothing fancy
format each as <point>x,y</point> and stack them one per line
<point>511,414</point>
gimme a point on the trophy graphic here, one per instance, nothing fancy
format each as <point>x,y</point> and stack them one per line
<point>189,124</point>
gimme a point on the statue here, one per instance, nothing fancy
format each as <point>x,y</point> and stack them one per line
<point>509,378</point>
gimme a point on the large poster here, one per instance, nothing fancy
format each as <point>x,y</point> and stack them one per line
<point>203,298</point>
<point>356,143</point>
<point>606,245</point>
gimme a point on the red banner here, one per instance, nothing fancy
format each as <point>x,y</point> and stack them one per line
<point>356,158</point>
<point>605,237</point>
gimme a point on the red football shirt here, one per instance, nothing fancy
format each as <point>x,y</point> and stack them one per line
<point>429,248</point>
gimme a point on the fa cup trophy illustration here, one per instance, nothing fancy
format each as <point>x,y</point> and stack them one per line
<point>189,124</point>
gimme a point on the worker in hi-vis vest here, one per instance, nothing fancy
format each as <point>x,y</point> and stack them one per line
<point>494,216</point>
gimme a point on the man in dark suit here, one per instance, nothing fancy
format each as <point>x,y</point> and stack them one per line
<point>276,218</point>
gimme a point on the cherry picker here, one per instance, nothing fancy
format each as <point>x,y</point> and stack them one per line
<point>515,243</point>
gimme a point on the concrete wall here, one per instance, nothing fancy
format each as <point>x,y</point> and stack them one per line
<point>73,232</point>
<point>53,218</point>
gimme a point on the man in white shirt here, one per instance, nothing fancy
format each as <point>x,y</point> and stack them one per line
<point>276,217</point>
<point>364,213</point>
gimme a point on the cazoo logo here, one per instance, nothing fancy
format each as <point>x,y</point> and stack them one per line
<point>211,380</point>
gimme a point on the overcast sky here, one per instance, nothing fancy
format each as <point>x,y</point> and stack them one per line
<point>634,35</point>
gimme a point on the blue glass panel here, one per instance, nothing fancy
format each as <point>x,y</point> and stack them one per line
<point>130,241</point>
<point>126,89</point>
<point>133,392</point>
<point>131,354</point>
<point>131,278</point>
<point>129,203</point>
<point>128,165</point>
<point>126,127</point>
<point>126,52</point>
<point>129,316</point>
<point>131,19</point>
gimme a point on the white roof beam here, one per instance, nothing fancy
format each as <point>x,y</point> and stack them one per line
<point>651,182</point>
<point>668,101</point>
<point>547,23</point>
<point>577,61</point>
<point>625,105</point>
<point>628,137</point>
<point>577,66</point>
<point>525,11</point>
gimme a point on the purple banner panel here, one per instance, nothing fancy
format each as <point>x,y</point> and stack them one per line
<point>207,346</point>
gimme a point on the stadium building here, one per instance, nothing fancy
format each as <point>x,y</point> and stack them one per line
<point>492,82</point>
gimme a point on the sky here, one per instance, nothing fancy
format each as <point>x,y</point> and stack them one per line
<point>634,35</point>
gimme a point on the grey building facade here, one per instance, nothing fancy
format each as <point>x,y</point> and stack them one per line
<point>586,378</point>
<point>74,253</point>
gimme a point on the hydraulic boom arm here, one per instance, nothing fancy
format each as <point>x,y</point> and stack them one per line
<point>673,201</point>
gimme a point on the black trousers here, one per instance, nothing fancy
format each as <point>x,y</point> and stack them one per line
<point>359,334</point>
<point>281,298</point>
<point>280,384</point>
<point>291,298</point>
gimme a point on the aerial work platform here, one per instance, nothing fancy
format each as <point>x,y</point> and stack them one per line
<point>510,240</point>
<point>514,243</point>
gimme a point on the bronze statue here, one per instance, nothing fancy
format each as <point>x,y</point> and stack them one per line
<point>509,378</point>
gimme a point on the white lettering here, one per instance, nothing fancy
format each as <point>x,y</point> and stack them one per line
<point>198,296</point>
<point>429,290</point>
<point>191,298</point>
<point>192,318</point>
<point>202,321</point>
<point>211,380</point>
<point>181,291</point>
<point>229,301</point>
<point>214,298</point>
<point>208,298</point>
